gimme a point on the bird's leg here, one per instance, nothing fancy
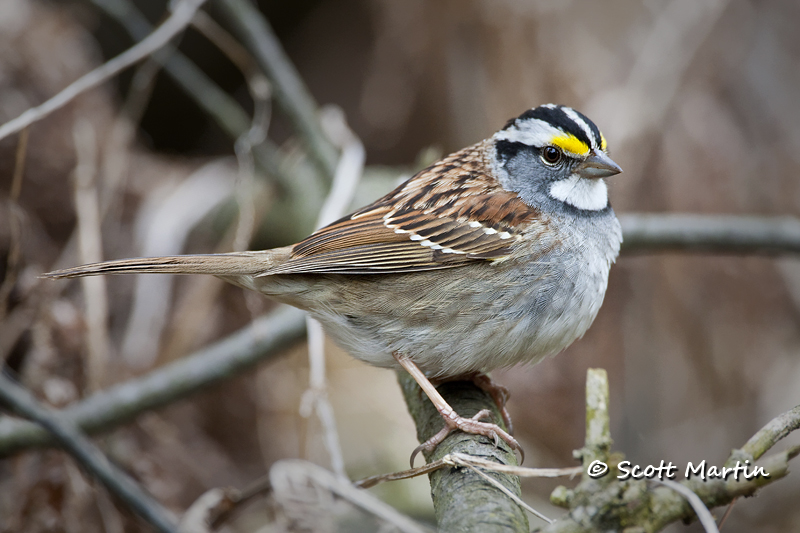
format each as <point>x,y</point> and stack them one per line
<point>498,393</point>
<point>452,420</point>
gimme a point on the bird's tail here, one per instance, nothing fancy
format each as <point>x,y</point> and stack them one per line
<point>231,264</point>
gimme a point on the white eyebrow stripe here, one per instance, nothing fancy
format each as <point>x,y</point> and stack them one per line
<point>582,123</point>
<point>535,132</point>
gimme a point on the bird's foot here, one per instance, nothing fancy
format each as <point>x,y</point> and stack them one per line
<point>474,426</point>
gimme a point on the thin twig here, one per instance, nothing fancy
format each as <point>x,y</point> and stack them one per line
<point>87,454</point>
<point>346,178</point>
<point>245,187</point>
<point>726,514</point>
<point>260,92</point>
<point>703,514</point>
<point>177,22</point>
<point>15,236</point>
<point>521,471</point>
<point>349,168</point>
<point>291,93</point>
<point>508,493</point>
<point>775,430</point>
<point>229,46</point>
<point>218,104</point>
<point>461,459</point>
<point>87,209</point>
<point>427,468</point>
<point>265,338</point>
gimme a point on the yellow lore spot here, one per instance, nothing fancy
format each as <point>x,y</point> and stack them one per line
<point>603,144</point>
<point>570,144</point>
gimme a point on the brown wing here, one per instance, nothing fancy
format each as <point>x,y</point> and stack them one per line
<point>447,215</point>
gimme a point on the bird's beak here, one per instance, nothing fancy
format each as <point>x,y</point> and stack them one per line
<point>597,165</point>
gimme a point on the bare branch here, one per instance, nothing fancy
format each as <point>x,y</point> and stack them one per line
<point>645,233</point>
<point>180,18</point>
<point>777,428</point>
<point>87,454</point>
<point>265,338</point>
<point>90,244</point>
<point>291,93</point>
<point>348,173</point>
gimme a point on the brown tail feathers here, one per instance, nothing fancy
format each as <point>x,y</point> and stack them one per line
<point>233,264</point>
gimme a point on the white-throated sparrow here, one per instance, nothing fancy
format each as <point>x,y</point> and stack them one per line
<point>496,255</point>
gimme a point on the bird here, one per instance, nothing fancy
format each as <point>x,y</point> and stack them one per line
<point>498,254</point>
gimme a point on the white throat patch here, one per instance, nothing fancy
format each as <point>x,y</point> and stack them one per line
<point>583,193</point>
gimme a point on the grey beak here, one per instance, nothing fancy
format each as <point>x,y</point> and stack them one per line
<point>597,165</point>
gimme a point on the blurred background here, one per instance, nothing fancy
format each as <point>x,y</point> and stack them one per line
<point>698,101</point>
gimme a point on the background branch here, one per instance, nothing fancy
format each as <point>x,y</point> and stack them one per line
<point>709,233</point>
<point>291,93</point>
<point>87,454</point>
<point>177,22</point>
<point>265,338</point>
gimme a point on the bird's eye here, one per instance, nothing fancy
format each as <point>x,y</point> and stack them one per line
<point>551,155</point>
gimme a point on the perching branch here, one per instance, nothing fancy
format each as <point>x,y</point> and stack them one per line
<point>462,499</point>
<point>86,453</point>
<point>265,338</point>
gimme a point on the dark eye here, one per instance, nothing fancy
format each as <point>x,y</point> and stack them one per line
<point>551,155</point>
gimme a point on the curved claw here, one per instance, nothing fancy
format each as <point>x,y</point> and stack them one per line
<point>431,444</point>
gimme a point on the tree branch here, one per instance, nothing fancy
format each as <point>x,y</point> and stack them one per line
<point>291,93</point>
<point>646,233</point>
<point>462,500</point>
<point>265,338</point>
<point>177,22</point>
<point>87,454</point>
<point>215,102</point>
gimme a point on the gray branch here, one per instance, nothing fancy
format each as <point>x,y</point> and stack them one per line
<point>462,500</point>
<point>87,454</point>
<point>265,338</point>
<point>290,91</point>
<point>645,233</point>
<point>215,102</point>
